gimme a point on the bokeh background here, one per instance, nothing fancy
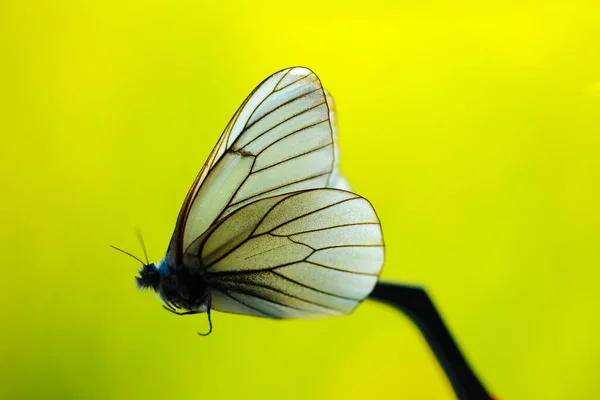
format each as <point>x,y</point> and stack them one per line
<point>473,129</point>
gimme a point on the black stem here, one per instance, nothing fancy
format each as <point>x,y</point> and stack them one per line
<point>416,303</point>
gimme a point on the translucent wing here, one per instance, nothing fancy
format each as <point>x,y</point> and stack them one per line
<point>299,255</point>
<point>279,141</point>
<point>337,180</point>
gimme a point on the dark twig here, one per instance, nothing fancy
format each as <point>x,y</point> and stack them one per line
<point>416,303</point>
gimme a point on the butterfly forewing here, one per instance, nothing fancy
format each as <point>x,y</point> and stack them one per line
<point>281,140</point>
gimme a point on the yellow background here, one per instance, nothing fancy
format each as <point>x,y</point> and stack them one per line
<point>474,131</point>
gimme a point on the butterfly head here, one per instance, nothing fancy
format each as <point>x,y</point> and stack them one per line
<point>149,277</point>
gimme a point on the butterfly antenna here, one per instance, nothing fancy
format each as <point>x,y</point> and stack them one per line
<point>141,239</point>
<point>209,322</point>
<point>129,254</point>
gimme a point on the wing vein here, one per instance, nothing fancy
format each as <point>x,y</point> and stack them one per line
<point>334,269</point>
<point>292,133</point>
<point>264,99</point>
<point>291,83</point>
<point>315,289</point>
<point>310,213</point>
<point>348,245</point>
<point>249,293</point>
<point>291,158</point>
<point>282,292</point>
<point>248,126</point>
<point>249,236</point>
<point>212,275</point>
<point>282,122</point>
<point>303,244</point>
<point>329,227</point>
<point>218,218</point>
<point>266,314</point>
<point>279,187</point>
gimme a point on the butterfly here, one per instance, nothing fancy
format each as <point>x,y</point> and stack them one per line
<point>269,227</point>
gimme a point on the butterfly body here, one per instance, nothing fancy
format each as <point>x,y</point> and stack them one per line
<point>269,227</point>
<point>179,287</point>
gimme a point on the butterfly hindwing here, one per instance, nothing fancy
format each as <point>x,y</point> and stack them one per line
<point>305,254</point>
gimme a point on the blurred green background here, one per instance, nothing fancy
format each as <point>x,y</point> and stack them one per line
<point>473,129</point>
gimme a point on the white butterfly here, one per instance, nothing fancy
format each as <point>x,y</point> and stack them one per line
<point>265,229</point>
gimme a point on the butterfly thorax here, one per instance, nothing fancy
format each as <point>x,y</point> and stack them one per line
<point>180,287</point>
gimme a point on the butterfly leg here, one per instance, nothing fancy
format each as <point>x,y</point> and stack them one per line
<point>174,311</point>
<point>209,320</point>
<point>169,307</point>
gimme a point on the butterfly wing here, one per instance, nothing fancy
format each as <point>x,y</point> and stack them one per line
<point>306,254</point>
<point>337,180</point>
<point>279,141</point>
